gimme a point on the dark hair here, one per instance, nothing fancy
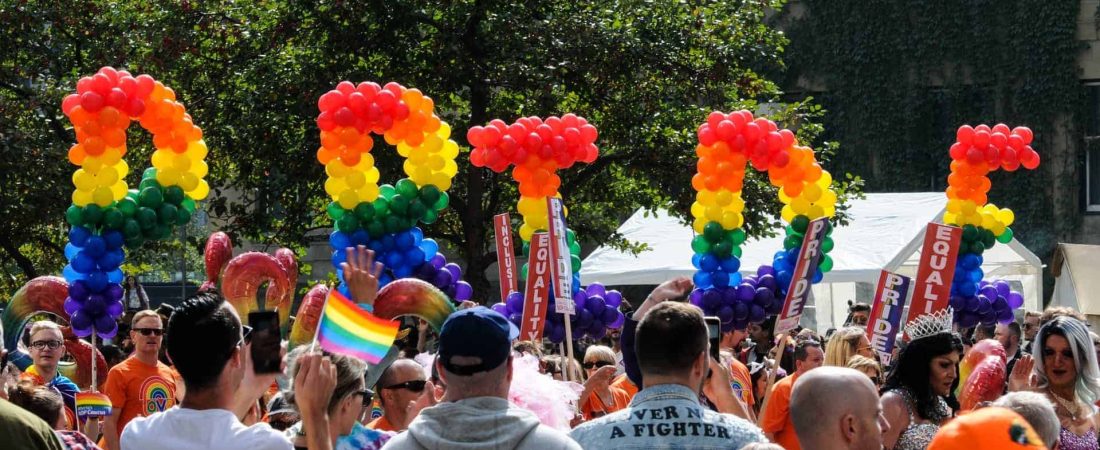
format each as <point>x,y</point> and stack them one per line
<point>1015,330</point>
<point>988,330</point>
<point>858,307</point>
<point>801,346</point>
<point>202,335</point>
<point>670,338</point>
<point>42,401</point>
<point>913,369</point>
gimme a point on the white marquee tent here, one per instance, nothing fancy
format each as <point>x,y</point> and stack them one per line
<point>1074,267</point>
<point>885,231</point>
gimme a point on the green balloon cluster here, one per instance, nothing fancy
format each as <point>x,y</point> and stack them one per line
<point>796,232</point>
<point>574,254</point>
<point>147,213</point>
<point>976,239</point>
<point>396,209</point>
<point>718,241</point>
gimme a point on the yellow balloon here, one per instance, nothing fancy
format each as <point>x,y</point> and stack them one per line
<point>122,168</point>
<point>444,131</point>
<point>168,176</point>
<point>826,179</point>
<point>788,214</point>
<point>368,193</point>
<point>1006,217</point>
<point>698,226</point>
<point>93,164</point>
<point>954,205</point>
<point>162,159</point>
<point>82,197</point>
<point>197,150</point>
<point>812,193</point>
<point>83,180</point>
<point>189,181</point>
<point>200,192</point>
<point>698,211</point>
<point>443,182</point>
<point>372,175</point>
<point>449,150</point>
<point>348,199</point>
<point>404,149</point>
<point>111,156</point>
<point>107,177</point>
<point>784,198</point>
<point>799,205</point>
<point>950,218</point>
<point>200,169</point>
<point>713,213</point>
<point>181,162</point>
<point>432,143</point>
<point>102,196</point>
<point>355,180</point>
<point>118,190</point>
<point>450,168</point>
<point>334,186</point>
<point>525,232</point>
<point>968,208</point>
<point>815,212</point>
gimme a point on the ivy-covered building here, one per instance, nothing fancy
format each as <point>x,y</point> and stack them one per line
<point>897,78</point>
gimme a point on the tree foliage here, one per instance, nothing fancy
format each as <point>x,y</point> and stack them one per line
<point>250,72</point>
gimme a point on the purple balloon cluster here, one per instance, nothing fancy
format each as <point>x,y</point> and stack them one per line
<point>597,310</point>
<point>993,304</point>
<point>93,274</point>
<point>445,276</point>
<point>751,301</point>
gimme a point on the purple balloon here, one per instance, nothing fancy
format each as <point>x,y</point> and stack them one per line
<point>765,270</point>
<point>740,324</point>
<point>556,334</point>
<point>1015,300</point>
<point>763,297</point>
<point>967,320</point>
<point>609,314</point>
<point>741,311</point>
<point>438,261</point>
<point>1006,316</point>
<point>984,305</point>
<point>598,333</point>
<point>989,292</point>
<point>615,298</point>
<point>756,314</point>
<point>729,295</point>
<point>957,302</point>
<point>426,271</point>
<point>1001,304</point>
<point>580,297</point>
<point>554,317</point>
<point>450,290</point>
<point>696,297</point>
<point>745,292</point>
<point>1003,288</point>
<point>515,303</point>
<point>81,324</point>
<point>94,306</point>
<point>78,290</point>
<point>114,291</point>
<point>596,289</point>
<point>71,306</point>
<point>442,279</point>
<point>108,333</point>
<point>712,300</point>
<point>455,270</point>
<point>725,314</point>
<point>619,320</point>
<point>972,304</point>
<point>515,318</point>
<point>767,281</point>
<point>584,318</point>
<point>463,291</point>
<point>578,332</point>
<point>595,304</point>
<point>501,309</point>
<point>104,323</point>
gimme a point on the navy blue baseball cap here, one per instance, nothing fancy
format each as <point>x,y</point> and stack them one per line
<point>476,332</point>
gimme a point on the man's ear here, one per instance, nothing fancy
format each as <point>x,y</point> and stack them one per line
<point>849,427</point>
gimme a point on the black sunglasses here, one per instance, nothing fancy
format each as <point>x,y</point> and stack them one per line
<point>367,396</point>
<point>149,331</point>
<point>412,385</point>
<point>597,364</point>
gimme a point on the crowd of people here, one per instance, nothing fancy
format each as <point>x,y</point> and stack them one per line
<point>187,382</point>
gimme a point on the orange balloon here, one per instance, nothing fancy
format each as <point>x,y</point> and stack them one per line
<point>324,155</point>
<point>76,154</point>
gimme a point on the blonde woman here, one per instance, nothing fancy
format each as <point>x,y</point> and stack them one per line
<point>844,344</point>
<point>869,367</point>
<point>599,398</point>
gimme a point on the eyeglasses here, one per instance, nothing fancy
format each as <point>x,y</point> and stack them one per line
<point>42,345</point>
<point>597,364</point>
<point>412,385</point>
<point>367,394</point>
<point>149,331</point>
<point>246,335</point>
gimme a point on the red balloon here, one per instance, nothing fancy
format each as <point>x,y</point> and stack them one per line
<point>788,137</point>
<point>1031,163</point>
<point>473,136</point>
<point>1001,128</point>
<point>781,158</point>
<point>958,150</point>
<point>706,135</point>
<point>91,102</point>
<point>981,138</point>
<point>725,130</point>
<point>1024,133</point>
<point>974,156</point>
<point>344,117</point>
<point>331,100</point>
<point>83,85</point>
<point>345,87</point>
<point>71,101</point>
<point>117,98</point>
<point>101,84</point>
<point>965,135</point>
<point>998,140</point>
<point>588,134</point>
<point>145,85</point>
<point>714,117</point>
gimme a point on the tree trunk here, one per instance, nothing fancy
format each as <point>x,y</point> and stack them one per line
<point>25,264</point>
<point>473,216</point>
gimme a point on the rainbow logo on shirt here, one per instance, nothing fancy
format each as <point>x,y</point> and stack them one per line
<point>157,395</point>
<point>92,404</point>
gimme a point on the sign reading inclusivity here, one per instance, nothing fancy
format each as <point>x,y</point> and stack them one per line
<point>885,321</point>
<point>506,260</point>
<point>537,294</point>
<point>562,268</point>
<point>936,271</point>
<point>800,292</point>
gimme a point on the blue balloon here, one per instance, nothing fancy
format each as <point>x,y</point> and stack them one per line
<point>376,246</point>
<point>417,234</point>
<point>976,275</point>
<point>430,247</point>
<point>115,276</point>
<point>114,239</point>
<point>79,235</point>
<point>405,240</point>
<point>968,289</point>
<point>71,251</point>
<point>576,283</point>
<point>83,262</point>
<point>339,257</point>
<point>95,246</point>
<point>71,275</point>
<point>784,278</point>
<point>339,240</point>
<point>389,242</point>
<point>360,237</point>
<point>731,264</point>
<point>708,263</point>
<point>818,276</point>
<point>719,278</point>
<point>343,289</point>
<point>735,278</point>
<point>414,257</point>
<point>702,280</point>
<point>695,260</point>
<point>392,259</point>
<point>96,281</point>
<point>402,271</point>
<point>385,279</point>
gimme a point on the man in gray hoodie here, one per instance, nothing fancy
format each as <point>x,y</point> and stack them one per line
<point>475,362</point>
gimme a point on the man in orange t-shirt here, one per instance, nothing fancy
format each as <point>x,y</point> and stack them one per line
<point>740,378</point>
<point>141,385</point>
<point>775,420</point>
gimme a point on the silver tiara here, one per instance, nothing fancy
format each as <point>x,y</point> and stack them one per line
<point>929,324</point>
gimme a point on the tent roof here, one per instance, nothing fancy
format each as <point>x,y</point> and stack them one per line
<point>1081,263</point>
<point>883,232</point>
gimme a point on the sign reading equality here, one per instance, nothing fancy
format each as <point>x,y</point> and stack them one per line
<point>537,294</point>
<point>936,271</point>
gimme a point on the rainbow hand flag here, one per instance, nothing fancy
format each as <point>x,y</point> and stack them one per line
<point>92,404</point>
<point>349,330</point>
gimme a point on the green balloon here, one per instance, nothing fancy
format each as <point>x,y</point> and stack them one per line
<point>722,248</point>
<point>406,188</point>
<point>131,229</point>
<point>113,218</point>
<point>977,248</point>
<point>146,218</point>
<point>444,199</point>
<point>523,251</point>
<point>429,194</point>
<point>791,242</point>
<point>381,208</point>
<point>167,214</point>
<point>575,261</point>
<point>799,223</point>
<point>827,245</point>
<point>826,264</point>
<point>574,248</point>
<point>151,197</point>
<point>394,224</point>
<point>387,191</point>
<point>737,236</point>
<point>93,214</point>
<point>365,211</point>
<point>189,205</point>
<point>523,273</point>
<point>969,233</point>
<point>416,209</point>
<point>182,216</point>
<point>376,228</point>
<point>148,183</point>
<point>430,217</point>
<point>163,231</point>
<point>128,206</point>
<point>713,232</point>
<point>74,216</point>
<point>335,211</point>
<point>736,252</point>
<point>173,195</point>
<point>149,174</point>
<point>699,244</point>
<point>135,242</point>
<point>1005,237</point>
<point>399,204</point>
<point>348,223</point>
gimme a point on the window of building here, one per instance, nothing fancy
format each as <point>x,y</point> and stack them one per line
<point>1092,148</point>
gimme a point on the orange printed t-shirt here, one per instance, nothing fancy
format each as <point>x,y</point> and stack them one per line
<point>381,424</point>
<point>623,382</point>
<point>777,416</point>
<point>138,389</point>
<point>593,407</point>
<point>741,382</point>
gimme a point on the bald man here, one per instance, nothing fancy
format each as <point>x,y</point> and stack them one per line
<point>401,383</point>
<point>837,408</point>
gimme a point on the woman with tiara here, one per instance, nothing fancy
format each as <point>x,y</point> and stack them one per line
<point>918,395</point>
<point>1066,373</point>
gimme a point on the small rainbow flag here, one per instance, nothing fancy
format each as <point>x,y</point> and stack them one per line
<point>92,404</point>
<point>349,330</point>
